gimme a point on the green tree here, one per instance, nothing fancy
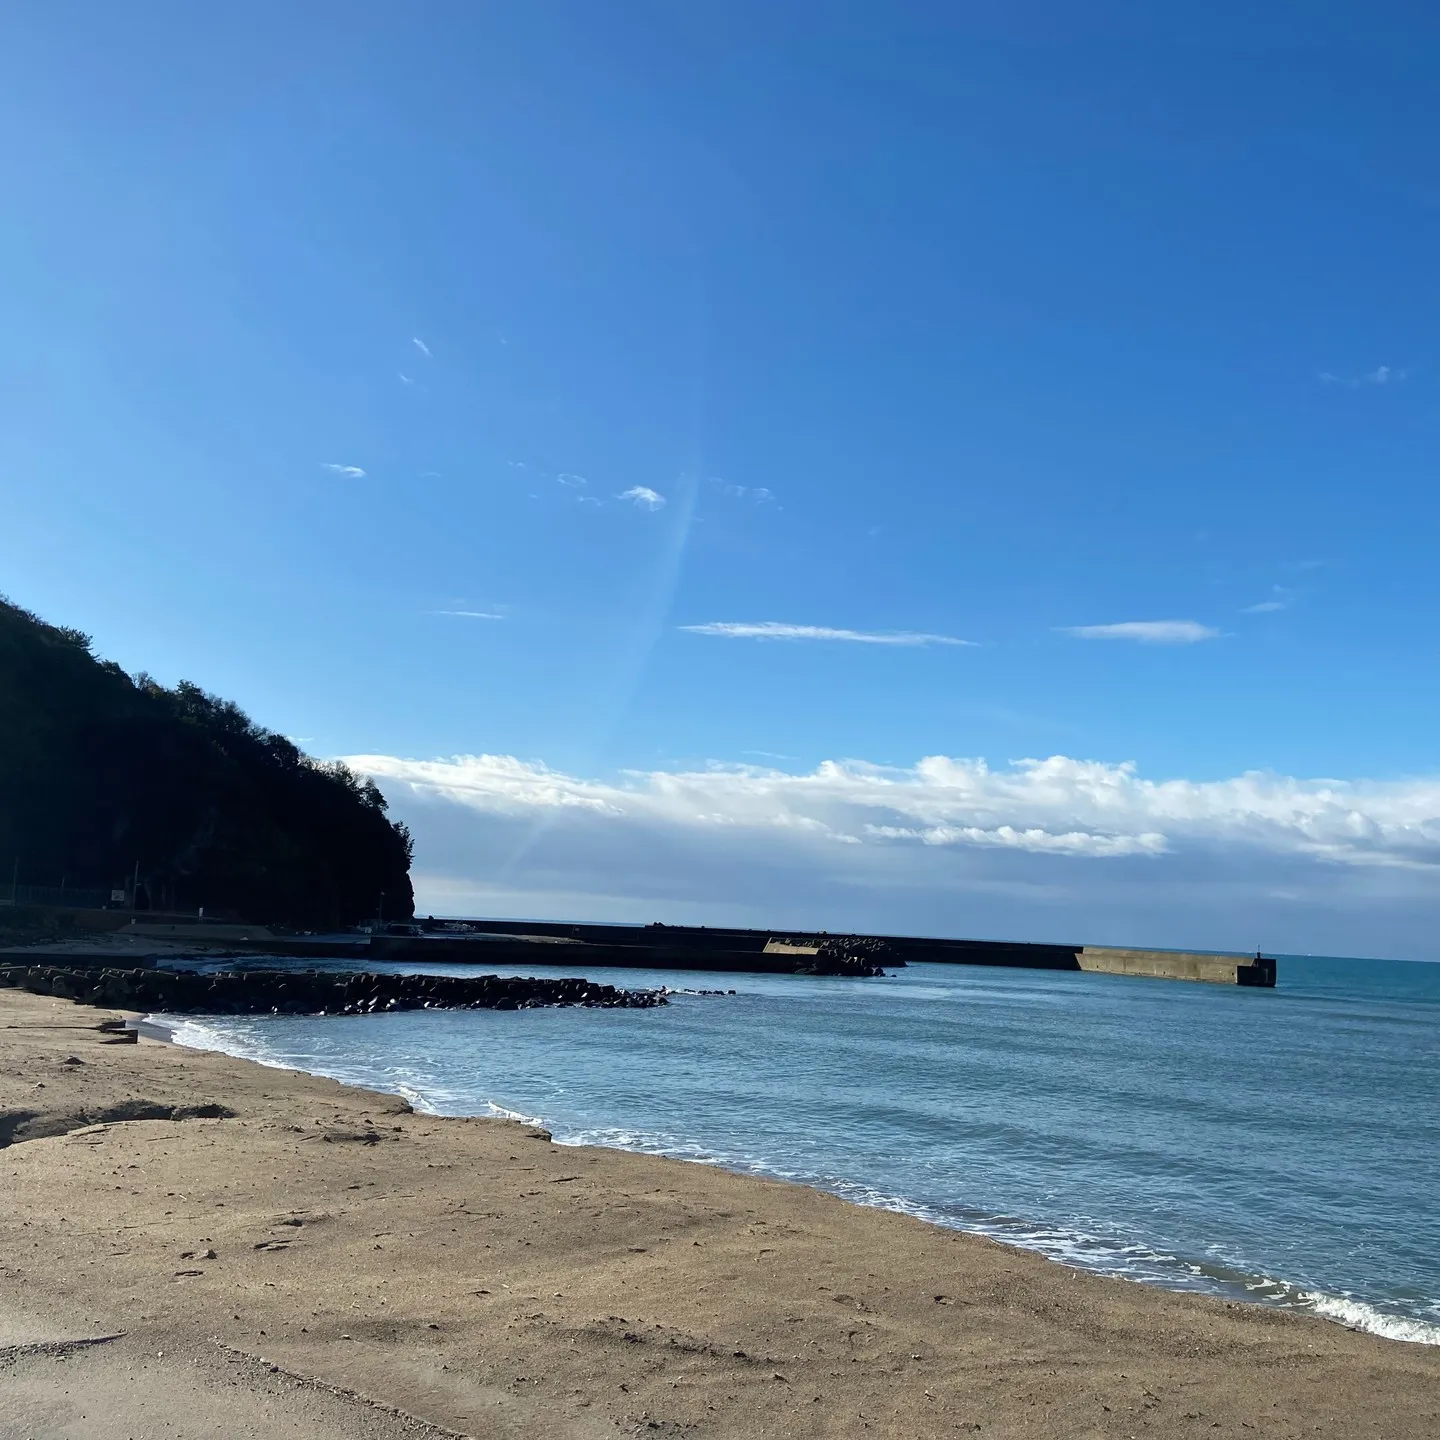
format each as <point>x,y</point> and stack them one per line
<point>100,771</point>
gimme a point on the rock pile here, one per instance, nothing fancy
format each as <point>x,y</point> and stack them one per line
<point>861,956</point>
<point>310,992</point>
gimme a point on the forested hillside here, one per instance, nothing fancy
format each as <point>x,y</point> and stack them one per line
<point>101,772</point>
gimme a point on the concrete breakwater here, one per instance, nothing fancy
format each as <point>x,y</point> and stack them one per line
<point>846,956</point>
<point>309,992</point>
<point>578,946</point>
<point>1258,970</point>
<point>789,957</point>
<point>701,948</point>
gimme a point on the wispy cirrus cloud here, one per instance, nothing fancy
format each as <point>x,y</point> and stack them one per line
<point>757,494</point>
<point>1280,599</point>
<point>1380,375</point>
<point>779,630</point>
<point>468,614</point>
<point>643,497</point>
<point>1057,848</point>
<point>1146,632</point>
<point>421,346</point>
<point>350,472</point>
<point>570,480</point>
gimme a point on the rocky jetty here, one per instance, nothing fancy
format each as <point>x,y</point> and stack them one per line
<point>309,992</point>
<point>852,956</point>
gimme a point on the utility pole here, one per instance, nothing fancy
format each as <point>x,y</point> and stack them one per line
<point>15,881</point>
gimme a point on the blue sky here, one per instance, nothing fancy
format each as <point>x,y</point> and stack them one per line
<point>334,331</point>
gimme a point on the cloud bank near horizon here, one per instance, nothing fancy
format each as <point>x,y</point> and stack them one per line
<point>1053,848</point>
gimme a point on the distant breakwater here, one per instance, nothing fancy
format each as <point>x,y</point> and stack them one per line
<point>308,992</point>
<point>810,952</point>
<point>578,946</point>
<point>847,957</point>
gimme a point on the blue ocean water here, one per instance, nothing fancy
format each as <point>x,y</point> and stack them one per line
<point>1278,1146</point>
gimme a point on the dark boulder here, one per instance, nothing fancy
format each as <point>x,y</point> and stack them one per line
<point>310,992</point>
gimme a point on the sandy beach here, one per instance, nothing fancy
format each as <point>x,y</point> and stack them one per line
<point>196,1245</point>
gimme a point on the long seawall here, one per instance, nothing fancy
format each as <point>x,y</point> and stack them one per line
<point>701,947</point>
<point>776,952</point>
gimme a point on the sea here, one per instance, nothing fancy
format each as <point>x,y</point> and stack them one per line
<point>1276,1146</point>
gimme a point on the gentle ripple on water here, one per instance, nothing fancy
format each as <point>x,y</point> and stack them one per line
<point>1280,1146</point>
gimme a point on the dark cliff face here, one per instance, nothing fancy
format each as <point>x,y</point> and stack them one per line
<point>99,772</point>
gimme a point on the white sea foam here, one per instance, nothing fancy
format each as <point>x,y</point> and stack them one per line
<point>499,1112</point>
<point>198,1034</point>
<point>1360,1316</point>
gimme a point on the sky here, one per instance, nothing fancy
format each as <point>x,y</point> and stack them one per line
<point>949,468</point>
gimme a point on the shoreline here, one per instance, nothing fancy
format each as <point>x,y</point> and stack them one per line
<point>472,1274</point>
<point>1224,1283</point>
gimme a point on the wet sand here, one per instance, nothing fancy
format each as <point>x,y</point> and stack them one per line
<point>195,1245</point>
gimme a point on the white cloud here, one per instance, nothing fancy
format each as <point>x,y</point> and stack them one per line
<point>1281,598</point>
<point>1080,806</point>
<point>350,472</point>
<point>468,614</point>
<point>421,346</point>
<point>779,630</point>
<point>1147,632</point>
<point>1055,848</point>
<point>758,493</point>
<point>575,482</point>
<point>644,497</point>
<point>1380,375</point>
<point>1071,842</point>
